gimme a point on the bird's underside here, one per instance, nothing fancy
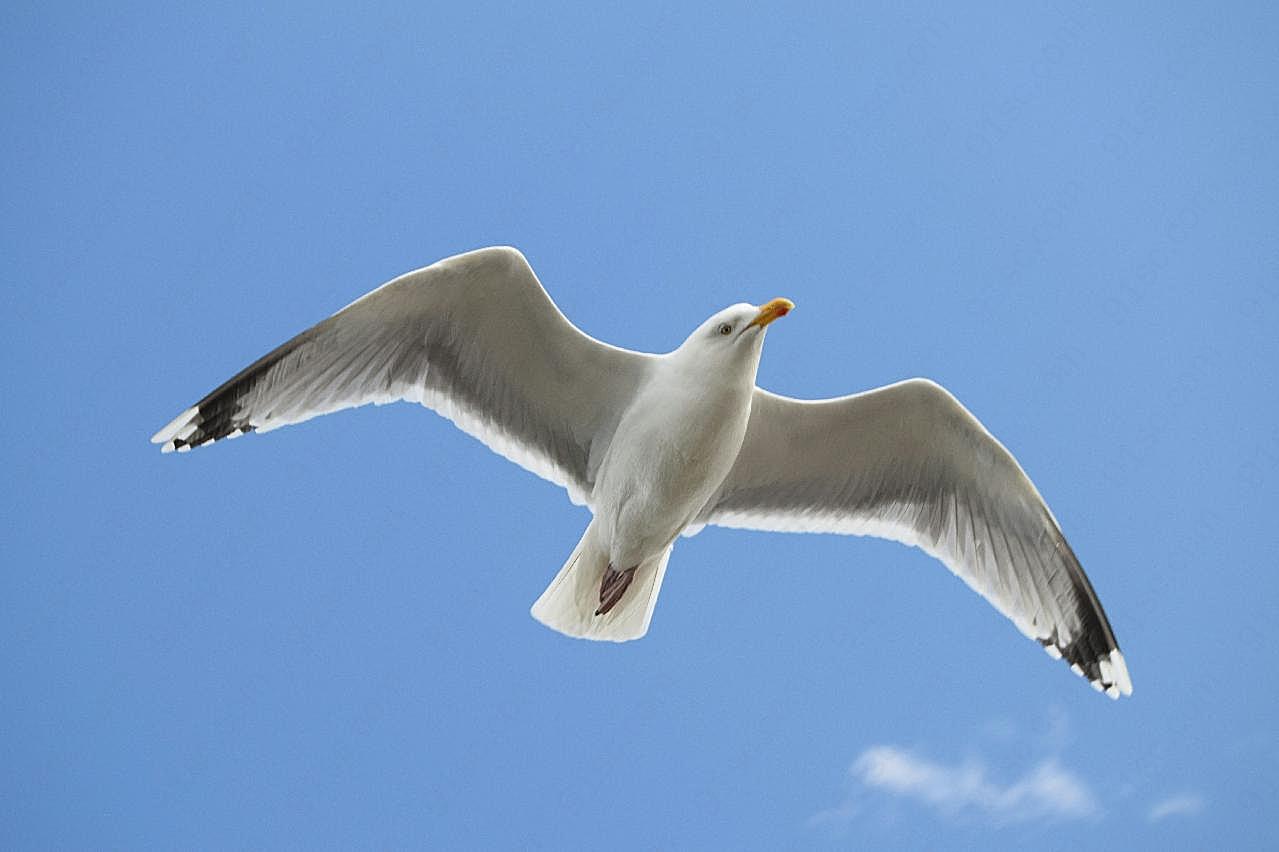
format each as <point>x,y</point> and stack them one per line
<point>476,338</point>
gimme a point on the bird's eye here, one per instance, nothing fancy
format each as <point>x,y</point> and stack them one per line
<point>725,328</point>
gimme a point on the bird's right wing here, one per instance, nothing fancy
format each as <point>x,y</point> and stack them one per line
<point>474,337</point>
<point>909,463</point>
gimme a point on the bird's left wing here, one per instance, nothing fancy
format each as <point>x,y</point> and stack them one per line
<point>474,337</point>
<point>909,463</point>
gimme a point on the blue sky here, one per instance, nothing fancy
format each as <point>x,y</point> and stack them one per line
<point>1066,213</point>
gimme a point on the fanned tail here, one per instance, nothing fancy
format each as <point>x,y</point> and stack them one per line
<point>570,602</point>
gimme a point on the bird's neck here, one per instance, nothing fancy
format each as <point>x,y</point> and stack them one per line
<point>730,375</point>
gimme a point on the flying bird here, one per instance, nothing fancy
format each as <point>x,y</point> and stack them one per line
<point>662,445</point>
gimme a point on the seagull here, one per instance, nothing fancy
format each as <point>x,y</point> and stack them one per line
<point>663,445</point>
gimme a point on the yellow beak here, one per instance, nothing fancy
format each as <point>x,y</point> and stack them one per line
<point>771,311</point>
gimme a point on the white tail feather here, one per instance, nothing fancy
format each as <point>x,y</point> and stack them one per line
<point>568,605</point>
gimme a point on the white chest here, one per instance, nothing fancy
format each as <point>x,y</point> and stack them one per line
<point>669,454</point>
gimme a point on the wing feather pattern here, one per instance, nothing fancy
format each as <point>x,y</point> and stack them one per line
<point>474,337</point>
<point>909,463</point>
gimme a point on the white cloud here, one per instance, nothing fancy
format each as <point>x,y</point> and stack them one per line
<point>1183,804</point>
<point>1045,792</point>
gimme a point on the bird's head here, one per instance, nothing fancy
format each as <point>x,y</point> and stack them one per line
<point>735,334</point>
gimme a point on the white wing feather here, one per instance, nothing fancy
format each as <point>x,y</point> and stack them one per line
<point>907,462</point>
<point>474,337</point>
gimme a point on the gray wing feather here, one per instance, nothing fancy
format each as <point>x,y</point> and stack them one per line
<point>909,463</point>
<point>474,337</point>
